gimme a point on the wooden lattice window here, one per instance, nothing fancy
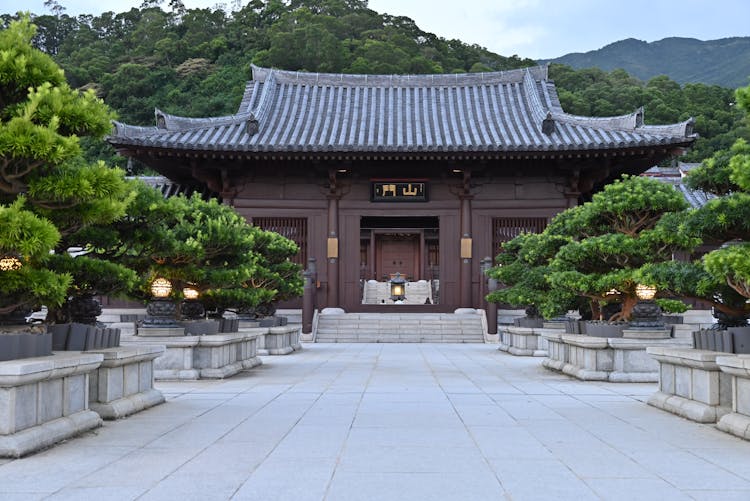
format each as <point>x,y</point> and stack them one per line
<point>293,228</point>
<point>507,228</point>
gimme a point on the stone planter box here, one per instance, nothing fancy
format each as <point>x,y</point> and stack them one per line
<point>280,341</point>
<point>45,400</point>
<point>737,422</point>
<point>557,350</point>
<point>215,356</point>
<point>124,383</point>
<point>592,358</point>
<point>691,384</point>
<point>524,341</point>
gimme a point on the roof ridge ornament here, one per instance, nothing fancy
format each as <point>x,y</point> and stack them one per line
<point>548,125</point>
<point>251,125</point>
<point>161,119</point>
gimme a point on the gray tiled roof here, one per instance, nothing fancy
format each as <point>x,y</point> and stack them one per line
<point>510,111</point>
<point>675,176</point>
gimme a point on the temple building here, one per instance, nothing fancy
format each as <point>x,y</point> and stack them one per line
<point>383,176</point>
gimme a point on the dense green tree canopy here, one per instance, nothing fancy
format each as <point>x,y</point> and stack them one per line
<point>47,192</point>
<point>195,62</point>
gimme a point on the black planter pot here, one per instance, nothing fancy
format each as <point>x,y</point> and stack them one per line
<point>9,346</point>
<point>77,337</point>
<point>229,325</point>
<point>529,322</point>
<point>200,327</point>
<point>59,336</point>
<point>604,329</point>
<point>25,345</point>
<point>740,339</point>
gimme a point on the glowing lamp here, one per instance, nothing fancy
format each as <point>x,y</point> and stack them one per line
<point>645,292</point>
<point>190,293</point>
<point>10,262</point>
<point>161,287</point>
<point>398,288</point>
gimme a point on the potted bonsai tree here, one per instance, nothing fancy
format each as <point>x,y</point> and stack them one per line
<point>627,225</point>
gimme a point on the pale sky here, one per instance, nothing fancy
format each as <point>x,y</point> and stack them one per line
<point>538,29</point>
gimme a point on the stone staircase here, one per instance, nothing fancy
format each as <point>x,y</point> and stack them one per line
<point>400,328</point>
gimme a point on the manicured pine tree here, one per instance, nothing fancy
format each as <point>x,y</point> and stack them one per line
<point>41,171</point>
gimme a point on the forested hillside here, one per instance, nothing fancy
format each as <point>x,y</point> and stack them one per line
<point>724,62</point>
<point>195,62</point>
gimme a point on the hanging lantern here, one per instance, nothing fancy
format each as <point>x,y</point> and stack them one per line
<point>10,262</point>
<point>161,287</point>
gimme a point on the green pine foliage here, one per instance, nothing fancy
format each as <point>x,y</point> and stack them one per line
<point>593,254</point>
<point>41,119</point>
<point>722,277</point>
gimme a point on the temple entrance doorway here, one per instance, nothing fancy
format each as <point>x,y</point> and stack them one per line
<point>397,253</point>
<point>403,247</point>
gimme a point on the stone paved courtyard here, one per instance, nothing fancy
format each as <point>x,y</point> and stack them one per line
<point>393,422</point>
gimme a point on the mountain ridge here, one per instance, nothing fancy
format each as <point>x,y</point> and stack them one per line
<point>724,61</point>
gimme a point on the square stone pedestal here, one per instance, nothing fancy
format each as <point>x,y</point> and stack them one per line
<point>737,422</point>
<point>45,400</point>
<point>280,341</point>
<point>691,384</point>
<point>525,341</point>
<point>214,356</point>
<point>124,383</point>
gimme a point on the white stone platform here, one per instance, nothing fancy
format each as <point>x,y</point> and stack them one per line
<point>124,383</point>
<point>605,359</point>
<point>281,340</point>
<point>45,400</point>
<point>525,341</point>
<point>214,356</point>
<point>691,384</point>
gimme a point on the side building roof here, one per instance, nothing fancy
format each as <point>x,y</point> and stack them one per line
<point>498,112</point>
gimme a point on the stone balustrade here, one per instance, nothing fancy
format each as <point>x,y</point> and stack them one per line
<point>737,422</point>
<point>691,384</point>
<point>124,383</point>
<point>606,359</point>
<point>214,356</point>
<point>45,400</point>
<point>526,341</point>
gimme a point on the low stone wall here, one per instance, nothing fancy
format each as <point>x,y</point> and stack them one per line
<point>214,356</point>
<point>691,384</point>
<point>525,341</point>
<point>280,340</point>
<point>737,422</point>
<point>45,400</point>
<point>124,383</point>
<point>604,359</point>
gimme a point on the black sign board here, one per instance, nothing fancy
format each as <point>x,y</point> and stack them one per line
<point>399,190</point>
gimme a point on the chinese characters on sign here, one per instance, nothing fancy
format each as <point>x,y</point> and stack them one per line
<point>399,191</point>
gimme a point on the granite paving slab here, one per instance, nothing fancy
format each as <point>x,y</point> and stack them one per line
<point>392,422</point>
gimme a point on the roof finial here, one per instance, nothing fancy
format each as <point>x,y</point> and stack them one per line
<point>548,124</point>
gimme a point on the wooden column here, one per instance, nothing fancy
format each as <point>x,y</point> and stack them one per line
<point>466,242</point>
<point>332,247</point>
<point>308,296</point>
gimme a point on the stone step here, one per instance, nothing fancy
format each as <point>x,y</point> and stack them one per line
<point>400,328</point>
